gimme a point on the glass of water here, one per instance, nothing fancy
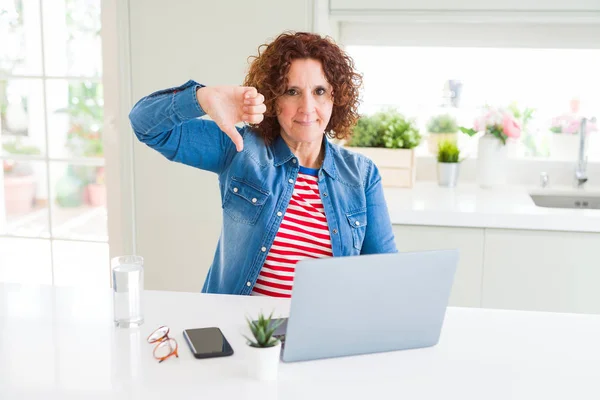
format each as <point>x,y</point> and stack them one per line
<point>128,287</point>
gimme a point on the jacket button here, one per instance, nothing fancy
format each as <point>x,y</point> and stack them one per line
<point>248,284</point>
<point>325,194</point>
<point>290,180</point>
<point>357,223</point>
<point>263,249</point>
<point>254,200</point>
<point>335,231</point>
<point>279,213</point>
<point>235,190</point>
<point>294,160</point>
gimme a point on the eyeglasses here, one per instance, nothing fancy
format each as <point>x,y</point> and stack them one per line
<point>165,346</point>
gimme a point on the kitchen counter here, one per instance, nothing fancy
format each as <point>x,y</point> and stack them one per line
<point>60,343</point>
<point>468,205</point>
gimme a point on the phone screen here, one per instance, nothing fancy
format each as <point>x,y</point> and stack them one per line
<point>207,342</point>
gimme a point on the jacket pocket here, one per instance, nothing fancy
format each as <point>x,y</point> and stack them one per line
<point>358,226</point>
<point>244,201</point>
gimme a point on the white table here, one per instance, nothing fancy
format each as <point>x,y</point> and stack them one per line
<point>59,343</point>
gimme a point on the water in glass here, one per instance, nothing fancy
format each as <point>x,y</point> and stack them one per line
<point>128,286</point>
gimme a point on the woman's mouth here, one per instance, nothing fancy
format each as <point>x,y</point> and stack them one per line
<point>305,123</point>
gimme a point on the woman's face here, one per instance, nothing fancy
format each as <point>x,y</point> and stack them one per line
<point>305,108</point>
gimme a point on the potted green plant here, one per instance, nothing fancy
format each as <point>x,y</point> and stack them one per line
<point>96,190</point>
<point>19,178</point>
<point>448,157</point>
<point>84,139</point>
<point>440,128</point>
<point>264,348</point>
<point>389,139</point>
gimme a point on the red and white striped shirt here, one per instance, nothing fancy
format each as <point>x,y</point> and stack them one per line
<point>303,234</point>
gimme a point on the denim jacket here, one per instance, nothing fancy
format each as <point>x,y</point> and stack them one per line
<point>256,185</point>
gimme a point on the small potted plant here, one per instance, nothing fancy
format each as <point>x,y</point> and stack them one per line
<point>265,349</point>
<point>389,139</point>
<point>19,178</point>
<point>440,128</point>
<point>96,190</point>
<point>448,156</point>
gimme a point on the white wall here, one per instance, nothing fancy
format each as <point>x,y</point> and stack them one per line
<point>178,209</point>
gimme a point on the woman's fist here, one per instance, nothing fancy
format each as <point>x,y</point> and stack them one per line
<point>228,105</point>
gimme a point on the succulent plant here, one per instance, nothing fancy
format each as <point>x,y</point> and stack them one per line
<point>448,152</point>
<point>262,329</point>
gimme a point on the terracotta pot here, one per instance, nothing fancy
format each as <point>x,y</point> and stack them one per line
<point>19,193</point>
<point>96,194</point>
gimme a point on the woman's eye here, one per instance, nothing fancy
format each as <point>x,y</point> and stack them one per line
<point>292,92</point>
<point>321,91</point>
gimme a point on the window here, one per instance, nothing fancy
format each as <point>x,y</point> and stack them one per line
<point>53,219</point>
<point>427,70</point>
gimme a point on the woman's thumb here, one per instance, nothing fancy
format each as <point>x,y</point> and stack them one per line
<point>235,137</point>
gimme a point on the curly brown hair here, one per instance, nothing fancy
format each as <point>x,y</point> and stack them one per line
<point>268,74</point>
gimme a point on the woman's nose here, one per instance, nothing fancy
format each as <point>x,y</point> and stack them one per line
<point>307,104</point>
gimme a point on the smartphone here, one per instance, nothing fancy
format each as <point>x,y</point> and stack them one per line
<point>207,342</point>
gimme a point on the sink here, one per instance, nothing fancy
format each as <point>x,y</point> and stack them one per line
<point>566,198</point>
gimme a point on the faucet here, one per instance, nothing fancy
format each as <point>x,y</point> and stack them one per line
<point>580,169</point>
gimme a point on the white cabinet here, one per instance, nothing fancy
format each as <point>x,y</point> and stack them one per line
<point>516,269</point>
<point>541,270</point>
<point>466,291</point>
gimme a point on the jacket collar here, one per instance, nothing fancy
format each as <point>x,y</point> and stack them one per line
<point>283,154</point>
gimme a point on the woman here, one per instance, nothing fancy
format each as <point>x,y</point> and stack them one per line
<point>287,192</point>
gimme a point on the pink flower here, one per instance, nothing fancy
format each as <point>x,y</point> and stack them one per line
<point>480,123</point>
<point>510,127</point>
<point>573,127</point>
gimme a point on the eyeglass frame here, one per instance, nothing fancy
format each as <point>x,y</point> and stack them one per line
<point>162,339</point>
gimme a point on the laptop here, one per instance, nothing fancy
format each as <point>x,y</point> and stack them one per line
<point>343,306</point>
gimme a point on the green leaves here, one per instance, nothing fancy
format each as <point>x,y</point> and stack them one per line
<point>368,131</point>
<point>444,123</point>
<point>388,129</point>
<point>468,131</point>
<point>262,330</point>
<point>400,133</point>
<point>448,152</point>
<point>16,146</point>
<point>497,131</point>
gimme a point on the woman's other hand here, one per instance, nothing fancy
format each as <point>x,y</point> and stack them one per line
<point>228,105</point>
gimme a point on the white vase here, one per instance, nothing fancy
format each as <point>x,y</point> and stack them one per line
<point>263,362</point>
<point>492,162</point>
<point>447,174</point>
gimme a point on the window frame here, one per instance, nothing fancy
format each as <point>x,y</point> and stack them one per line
<point>580,24</point>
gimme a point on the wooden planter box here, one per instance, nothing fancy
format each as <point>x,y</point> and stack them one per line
<point>397,166</point>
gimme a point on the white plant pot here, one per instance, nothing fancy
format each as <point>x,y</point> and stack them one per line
<point>447,174</point>
<point>492,162</point>
<point>263,363</point>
